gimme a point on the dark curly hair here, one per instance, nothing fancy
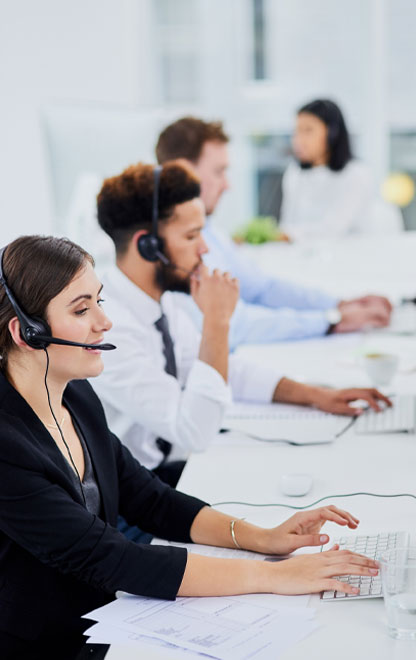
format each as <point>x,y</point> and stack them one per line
<point>124,203</point>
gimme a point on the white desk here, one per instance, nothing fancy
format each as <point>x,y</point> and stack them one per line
<point>251,474</point>
<point>237,472</point>
<point>233,469</point>
<point>346,266</point>
<point>336,360</point>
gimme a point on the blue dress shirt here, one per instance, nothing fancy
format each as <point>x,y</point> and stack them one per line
<point>269,309</point>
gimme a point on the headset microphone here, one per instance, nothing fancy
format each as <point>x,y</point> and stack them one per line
<point>36,332</point>
<point>46,340</point>
<point>163,258</point>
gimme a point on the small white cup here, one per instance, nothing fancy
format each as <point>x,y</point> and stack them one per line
<point>380,367</point>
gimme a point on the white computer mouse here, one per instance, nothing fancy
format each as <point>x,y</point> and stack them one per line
<point>295,485</point>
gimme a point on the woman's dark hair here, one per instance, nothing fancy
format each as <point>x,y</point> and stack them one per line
<point>125,201</point>
<point>338,139</point>
<point>36,269</point>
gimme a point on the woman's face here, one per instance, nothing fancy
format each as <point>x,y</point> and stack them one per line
<point>76,314</point>
<point>310,139</point>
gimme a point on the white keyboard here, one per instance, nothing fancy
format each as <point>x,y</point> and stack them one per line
<point>403,320</point>
<point>370,546</point>
<point>397,419</point>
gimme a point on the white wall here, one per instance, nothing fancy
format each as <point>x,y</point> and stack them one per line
<point>103,54</point>
<point>52,51</point>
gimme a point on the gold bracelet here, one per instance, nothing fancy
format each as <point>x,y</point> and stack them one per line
<point>237,545</point>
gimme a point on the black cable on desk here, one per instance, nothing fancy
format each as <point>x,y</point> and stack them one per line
<point>327,497</point>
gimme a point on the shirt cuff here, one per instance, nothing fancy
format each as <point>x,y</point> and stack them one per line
<point>207,381</point>
<point>251,382</point>
<point>319,325</point>
<point>332,302</point>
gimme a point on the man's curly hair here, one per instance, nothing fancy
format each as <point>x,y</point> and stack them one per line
<point>124,203</point>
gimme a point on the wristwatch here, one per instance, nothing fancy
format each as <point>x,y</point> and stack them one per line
<point>333,316</point>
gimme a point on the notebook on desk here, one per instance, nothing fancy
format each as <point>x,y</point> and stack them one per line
<point>297,425</point>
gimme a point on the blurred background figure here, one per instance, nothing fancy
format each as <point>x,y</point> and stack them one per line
<point>76,116</point>
<point>326,191</point>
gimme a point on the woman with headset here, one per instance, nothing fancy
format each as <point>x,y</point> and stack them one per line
<point>64,477</point>
<point>326,192</point>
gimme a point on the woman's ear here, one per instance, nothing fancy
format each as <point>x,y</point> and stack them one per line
<point>14,329</point>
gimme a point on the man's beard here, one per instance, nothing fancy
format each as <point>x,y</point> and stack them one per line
<point>167,279</point>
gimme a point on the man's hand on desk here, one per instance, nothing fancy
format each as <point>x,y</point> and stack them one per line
<point>366,312</point>
<point>338,401</point>
<point>332,401</point>
<point>372,299</point>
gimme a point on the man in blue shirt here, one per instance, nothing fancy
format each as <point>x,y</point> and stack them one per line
<point>270,309</point>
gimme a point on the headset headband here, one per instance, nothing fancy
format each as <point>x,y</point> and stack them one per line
<point>150,245</point>
<point>3,281</point>
<point>155,206</point>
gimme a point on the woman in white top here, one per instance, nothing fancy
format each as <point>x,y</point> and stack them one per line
<point>326,192</point>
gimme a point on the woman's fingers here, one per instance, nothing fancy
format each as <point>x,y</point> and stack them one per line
<point>344,514</point>
<point>336,585</point>
<point>321,572</point>
<point>333,514</point>
<point>345,560</point>
<point>332,507</point>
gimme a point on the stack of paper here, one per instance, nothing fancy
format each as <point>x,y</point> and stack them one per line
<point>255,626</point>
<point>227,628</point>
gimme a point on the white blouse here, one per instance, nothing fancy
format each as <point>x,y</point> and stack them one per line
<point>319,202</point>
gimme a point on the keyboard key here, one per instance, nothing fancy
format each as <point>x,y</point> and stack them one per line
<point>399,418</point>
<point>371,546</point>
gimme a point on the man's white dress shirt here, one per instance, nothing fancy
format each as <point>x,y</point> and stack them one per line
<point>142,402</point>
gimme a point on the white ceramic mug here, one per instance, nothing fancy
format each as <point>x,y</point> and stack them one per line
<point>380,367</point>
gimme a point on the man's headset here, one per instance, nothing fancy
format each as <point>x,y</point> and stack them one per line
<point>150,246</point>
<point>34,331</point>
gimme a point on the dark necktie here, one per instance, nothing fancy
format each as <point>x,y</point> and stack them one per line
<point>163,327</point>
<point>170,368</point>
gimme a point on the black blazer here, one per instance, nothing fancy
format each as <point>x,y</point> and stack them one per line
<point>57,560</point>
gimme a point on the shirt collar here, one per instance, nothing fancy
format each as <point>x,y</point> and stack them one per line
<point>124,290</point>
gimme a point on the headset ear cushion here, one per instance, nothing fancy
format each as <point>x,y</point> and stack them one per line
<point>149,246</point>
<point>33,329</point>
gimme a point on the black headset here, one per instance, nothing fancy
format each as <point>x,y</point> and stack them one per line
<point>33,330</point>
<point>150,246</point>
